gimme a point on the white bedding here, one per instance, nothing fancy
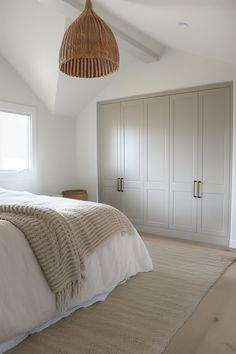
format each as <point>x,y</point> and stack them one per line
<point>26,301</point>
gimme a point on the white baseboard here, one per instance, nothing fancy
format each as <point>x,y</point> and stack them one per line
<point>232,243</point>
<point>198,237</point>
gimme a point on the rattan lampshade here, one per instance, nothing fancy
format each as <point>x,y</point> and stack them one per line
<point>89,48</point>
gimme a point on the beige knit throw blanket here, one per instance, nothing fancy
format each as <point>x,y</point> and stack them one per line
<point>62,240</point>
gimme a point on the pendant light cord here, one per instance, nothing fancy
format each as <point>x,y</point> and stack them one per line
<point>88,4</point>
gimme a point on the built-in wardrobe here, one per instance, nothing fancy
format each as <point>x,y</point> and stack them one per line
<point>165,161</point>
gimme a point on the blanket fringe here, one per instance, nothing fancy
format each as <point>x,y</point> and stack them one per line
<point>68,293</point>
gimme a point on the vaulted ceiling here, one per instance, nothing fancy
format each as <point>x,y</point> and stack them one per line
<point>211,31</point>
<point>31,32</point>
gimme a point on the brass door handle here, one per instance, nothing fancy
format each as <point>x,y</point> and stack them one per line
<point>199,194</point>
<point>194,189</point>
<point>122,185</point>
<point>118,184</point>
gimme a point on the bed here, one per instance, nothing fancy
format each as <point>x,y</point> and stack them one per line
<point>27,304</point>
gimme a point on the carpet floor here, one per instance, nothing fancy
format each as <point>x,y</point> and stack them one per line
<point>141,316</point>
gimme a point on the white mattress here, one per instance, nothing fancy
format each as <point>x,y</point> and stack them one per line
<point>27,303</point>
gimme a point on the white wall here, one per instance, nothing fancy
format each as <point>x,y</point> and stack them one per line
<point>55,140</point>
<point>175,70</point>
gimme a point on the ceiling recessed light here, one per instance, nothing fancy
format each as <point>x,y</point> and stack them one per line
<point>183,24</point>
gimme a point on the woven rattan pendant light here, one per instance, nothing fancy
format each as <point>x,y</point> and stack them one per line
<point>89,48</point>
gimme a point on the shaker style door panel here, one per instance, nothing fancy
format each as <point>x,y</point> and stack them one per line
<point>183,160</point>
<point>132,141</point>
<point>132,204</point>
<point>156,157</point>
<point>132,159</point>
<point>109,153</point>
<point>214,161</point>
<point>111,197</point>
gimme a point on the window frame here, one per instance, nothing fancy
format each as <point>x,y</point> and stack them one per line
<point>30,111</point>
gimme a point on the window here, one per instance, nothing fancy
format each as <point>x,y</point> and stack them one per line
<point>15,138</point>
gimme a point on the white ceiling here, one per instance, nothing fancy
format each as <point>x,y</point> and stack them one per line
<point>212,23</point>
<point>29,40</point>
<point>31,32</point>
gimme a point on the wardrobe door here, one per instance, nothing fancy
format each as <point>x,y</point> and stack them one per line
<point>183,161</point>
<point>132,160</point>
<point>214,161</point>
<point>156,152</point>
<point>109,154</point>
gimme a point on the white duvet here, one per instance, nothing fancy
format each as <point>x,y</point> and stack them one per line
<point>26,301</point>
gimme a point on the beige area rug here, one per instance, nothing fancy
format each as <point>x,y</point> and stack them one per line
<point>141,316</point>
